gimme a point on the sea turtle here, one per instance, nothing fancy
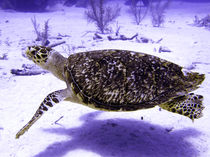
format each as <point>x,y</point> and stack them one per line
<point>118,80</point>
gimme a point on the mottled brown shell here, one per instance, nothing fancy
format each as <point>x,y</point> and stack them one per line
<point>123,80</point>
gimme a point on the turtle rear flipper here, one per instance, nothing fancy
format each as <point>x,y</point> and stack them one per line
<point>50,100</point>
<point>188,105</point>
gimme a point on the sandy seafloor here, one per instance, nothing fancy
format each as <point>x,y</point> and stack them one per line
<point>82,131</point>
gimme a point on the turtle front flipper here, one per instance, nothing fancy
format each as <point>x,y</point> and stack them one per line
<point>188,105</point>
<point>52,99</point>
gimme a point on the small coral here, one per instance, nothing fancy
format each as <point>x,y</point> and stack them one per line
<point>157,11</point>
<point>138,10</point>
<point>101,15</point>
<point>41,35</point>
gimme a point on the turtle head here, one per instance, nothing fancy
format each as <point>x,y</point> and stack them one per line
<point>38,54</point>
<point>48,59</point>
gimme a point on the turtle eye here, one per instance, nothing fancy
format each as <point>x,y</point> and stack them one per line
<point>37,48</point>
<point>43,51</point>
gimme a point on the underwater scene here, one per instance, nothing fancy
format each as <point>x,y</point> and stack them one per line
<point>104,78</point>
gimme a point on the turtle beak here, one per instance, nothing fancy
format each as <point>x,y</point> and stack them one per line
<point>30,52</point>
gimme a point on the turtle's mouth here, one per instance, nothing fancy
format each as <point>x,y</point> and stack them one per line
<point>30,52</point>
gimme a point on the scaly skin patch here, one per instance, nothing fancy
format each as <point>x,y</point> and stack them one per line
<point>39,54</point>
<point>188,105</point>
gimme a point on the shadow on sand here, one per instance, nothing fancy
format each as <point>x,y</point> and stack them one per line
<point>122,138</point>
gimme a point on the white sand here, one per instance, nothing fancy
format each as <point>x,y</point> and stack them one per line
<point>83,131</point>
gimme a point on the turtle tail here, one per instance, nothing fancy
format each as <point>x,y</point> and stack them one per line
<point>193,80</point>
<point>189,105</point>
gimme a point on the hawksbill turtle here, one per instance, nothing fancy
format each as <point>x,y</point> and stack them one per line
<point>118,80</point>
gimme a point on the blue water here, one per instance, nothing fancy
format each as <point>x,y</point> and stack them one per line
<point>41,5</point>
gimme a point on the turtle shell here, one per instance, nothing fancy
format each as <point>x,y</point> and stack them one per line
<point>123,80</point>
